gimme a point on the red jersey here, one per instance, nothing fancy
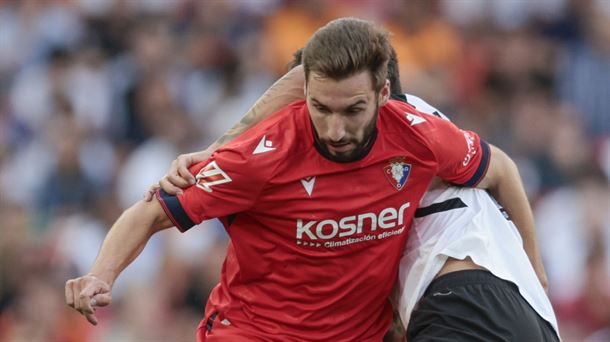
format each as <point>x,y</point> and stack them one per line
<point>315,244</point>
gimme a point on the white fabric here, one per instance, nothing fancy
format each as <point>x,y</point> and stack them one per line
<point>479,231</point>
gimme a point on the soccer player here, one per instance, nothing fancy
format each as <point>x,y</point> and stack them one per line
<point>317,200</point>
<point>464,274</point>
<point>457,231</point>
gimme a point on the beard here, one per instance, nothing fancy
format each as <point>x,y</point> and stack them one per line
<point>361,147</point>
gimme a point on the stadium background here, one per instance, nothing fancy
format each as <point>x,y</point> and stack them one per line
<point>97,98</point>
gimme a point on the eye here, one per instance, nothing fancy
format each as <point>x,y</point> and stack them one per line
<point>322,109</point>
<point>353,111</point>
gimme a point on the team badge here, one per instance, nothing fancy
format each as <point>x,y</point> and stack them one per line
<point>397,172</point>
<point>211,175</point>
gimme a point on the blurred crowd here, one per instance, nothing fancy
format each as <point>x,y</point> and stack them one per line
<point>97,97</point>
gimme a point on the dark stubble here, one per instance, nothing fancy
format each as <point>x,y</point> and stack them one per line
<point>361,148</point>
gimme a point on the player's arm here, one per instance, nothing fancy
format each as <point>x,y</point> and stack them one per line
<point>504,183</point>
<point>287,89</point>
<point>124,242</point>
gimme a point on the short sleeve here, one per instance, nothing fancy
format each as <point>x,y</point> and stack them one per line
<point>225,185</point>
<point>462,156</point>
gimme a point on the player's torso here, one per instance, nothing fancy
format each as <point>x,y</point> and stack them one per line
<point>458,223</point>
<point>324,239</point>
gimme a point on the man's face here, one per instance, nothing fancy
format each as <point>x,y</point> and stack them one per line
<point>344,113</point>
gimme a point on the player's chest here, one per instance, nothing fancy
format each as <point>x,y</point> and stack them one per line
<point>335,209</point>
<point>314,191</point>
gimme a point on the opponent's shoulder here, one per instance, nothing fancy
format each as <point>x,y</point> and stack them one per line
<point>414,109</point>
<point>422,106</point>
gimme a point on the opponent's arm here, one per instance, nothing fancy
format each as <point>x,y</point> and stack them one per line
<point>287,89</point>
<point>124,242</point>
<point>284,91</point>
<point>503,182</point>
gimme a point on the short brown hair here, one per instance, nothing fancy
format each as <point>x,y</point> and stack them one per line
<point>348,46</point>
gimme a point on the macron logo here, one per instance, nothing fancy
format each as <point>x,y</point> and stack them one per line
<point>414,119</point>
<point>264,146</point>
<point>308,184</point>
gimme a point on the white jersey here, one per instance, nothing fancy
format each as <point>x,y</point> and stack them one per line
<point>459,223</point>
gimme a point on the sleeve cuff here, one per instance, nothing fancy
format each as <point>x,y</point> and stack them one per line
<point>479,174</point>
<point>172,207</point>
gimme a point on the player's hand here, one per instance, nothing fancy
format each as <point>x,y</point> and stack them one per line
<point>86,293</point>
<point>178,176</point>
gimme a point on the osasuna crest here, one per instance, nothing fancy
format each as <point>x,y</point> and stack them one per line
<point>397,172</point>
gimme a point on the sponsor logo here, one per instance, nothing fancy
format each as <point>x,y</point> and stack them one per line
<point>414,119</point>
<point>471,150</point>
<point>397,172</point>
<point>308,184</point>
<point>264,146</point>
<point>317,233</point>
<point>211,175</point>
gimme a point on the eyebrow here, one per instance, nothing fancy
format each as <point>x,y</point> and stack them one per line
<point>359,102</point>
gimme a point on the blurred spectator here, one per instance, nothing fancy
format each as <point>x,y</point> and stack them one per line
<point>428,49</point>
<point>574,226</point>
<point>289,29</point>
<point>584,69</point>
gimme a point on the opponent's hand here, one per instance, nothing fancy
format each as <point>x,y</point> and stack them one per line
<point>178,176</point>
<point>86,293</point>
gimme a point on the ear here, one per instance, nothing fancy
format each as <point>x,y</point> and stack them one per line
<point>384,93</point>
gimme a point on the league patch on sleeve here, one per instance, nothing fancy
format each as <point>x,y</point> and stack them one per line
<point>211,175</point>
<point>471,149</point>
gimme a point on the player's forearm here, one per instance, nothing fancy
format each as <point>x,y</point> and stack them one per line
<point>284,91</point>
<point>127,238</point>
<point>511,195</point>
<point>507,188</point>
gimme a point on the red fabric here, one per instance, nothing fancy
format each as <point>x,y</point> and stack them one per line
<point>320,266</point>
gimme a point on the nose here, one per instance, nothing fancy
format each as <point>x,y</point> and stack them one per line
<point>336,127</point>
